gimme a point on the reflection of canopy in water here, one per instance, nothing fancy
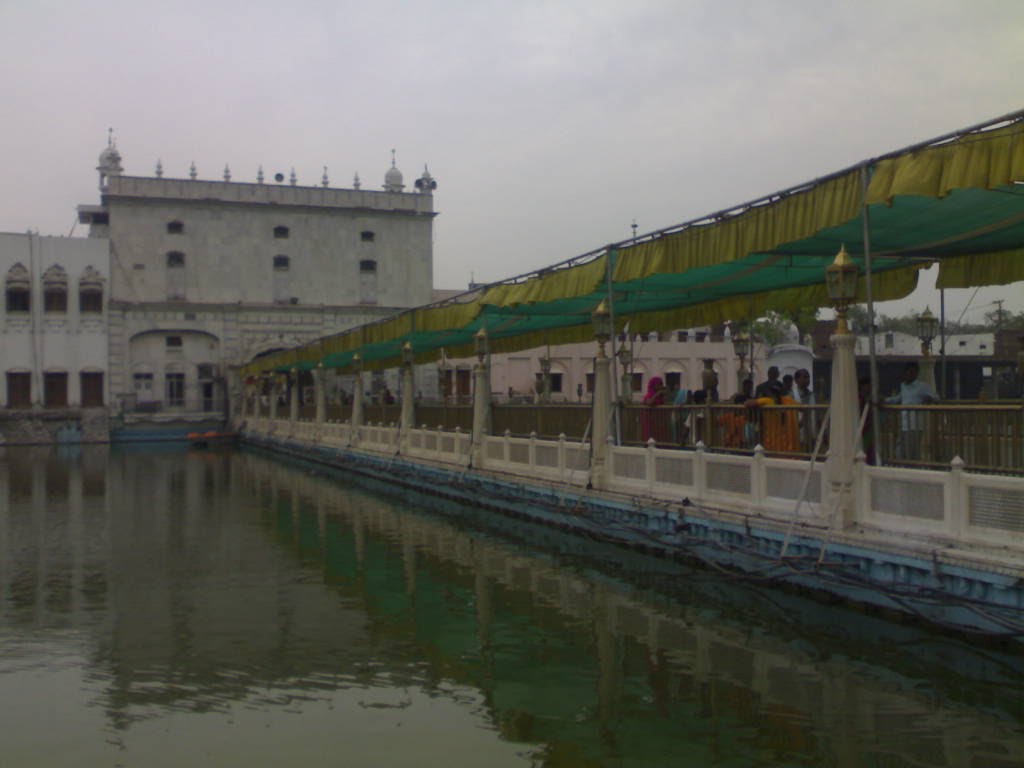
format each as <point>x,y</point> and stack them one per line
<point>956,200</point>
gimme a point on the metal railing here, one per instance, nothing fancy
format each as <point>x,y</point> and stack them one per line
<point>543,420</point>
<point>781,429</point>
<point>448,417</point>
<point>985,437</point>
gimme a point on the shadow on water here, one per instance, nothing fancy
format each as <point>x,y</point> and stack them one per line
<point>204,582</point>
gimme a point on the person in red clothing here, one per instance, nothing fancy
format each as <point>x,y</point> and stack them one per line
<point>780,427</point>
<point>652,423</point>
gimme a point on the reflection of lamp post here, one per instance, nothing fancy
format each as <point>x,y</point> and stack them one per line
<point>740,345</point>
<point>626,361</point>
<point>927,326</point>
<point>841,278</point>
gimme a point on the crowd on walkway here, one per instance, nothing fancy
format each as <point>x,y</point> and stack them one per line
<point>779,414</point>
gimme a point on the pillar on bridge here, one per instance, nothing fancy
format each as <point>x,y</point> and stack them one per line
<point>481,400</point>
<point>274,388</point>
<point>293,401</point>
<point>357,400</point>
<point>844,437</point>
<point>408,415</point>
<point>320,394</point>
<point>601,413</point>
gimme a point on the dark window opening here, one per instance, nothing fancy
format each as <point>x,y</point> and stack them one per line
<point>590,383</point>
<point>55,390</point>
<point>90,301</point>
<point>175,383</point>
<point>175,259</point>
<point>19,390</point>
<point>18,300</point>
<point>281,232</point>
<point>101,218</point>
<point>368,265</point>
<point>92,389</point>
<point>673,381</point>
<point>282,262</point>
<point>174,342</point>
<point>556,382</point>
<point>55,300</point>
<point>367,236</point>
<point>637,382</point>
<point>175,228</point>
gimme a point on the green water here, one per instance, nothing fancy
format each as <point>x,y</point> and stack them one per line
<point>165,607</point>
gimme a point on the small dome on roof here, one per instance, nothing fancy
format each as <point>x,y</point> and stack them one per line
<point>393,181</point>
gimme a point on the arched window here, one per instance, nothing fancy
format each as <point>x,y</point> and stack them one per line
<point>55,290</point>
<point>17,289</point>
<point>90,292</point>
<point>175,228</point>
<point>175,276</point>
<point>281,232</point>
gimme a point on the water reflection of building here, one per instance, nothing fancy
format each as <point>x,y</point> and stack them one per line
<point>158,555</point>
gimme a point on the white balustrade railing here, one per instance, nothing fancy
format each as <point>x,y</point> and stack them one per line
<point>953,505</point>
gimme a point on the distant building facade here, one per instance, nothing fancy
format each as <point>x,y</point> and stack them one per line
<point>53,322</point>
<point>207,275</point>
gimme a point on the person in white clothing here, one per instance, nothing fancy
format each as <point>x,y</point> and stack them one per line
<point>913,391</point>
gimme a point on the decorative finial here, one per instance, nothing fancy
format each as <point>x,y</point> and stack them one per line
<point>110,137</point>
<point>259,175</point>
<point>355,181</point>
<point>159,169</point>
<point>392,157</point>
<point>227,173</point>
<point>192,171</point>
<point>323,180</point>
<point>293,178</point>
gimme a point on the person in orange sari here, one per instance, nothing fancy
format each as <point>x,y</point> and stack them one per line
<point>780,427</point>
<point>734,424</point>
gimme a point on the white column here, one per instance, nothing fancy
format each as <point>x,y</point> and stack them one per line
<point>293,401</point>
<point>321,394</point>
<point>481,411</point>
<point>408,417</point>
<point>599,428</point>
<point>357,407</point>
<point>843,437</point>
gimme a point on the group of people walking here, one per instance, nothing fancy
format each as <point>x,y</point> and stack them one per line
<point>775,414</point>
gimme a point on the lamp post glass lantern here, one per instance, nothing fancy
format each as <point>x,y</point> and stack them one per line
<point>841,281</point>
<point>927,327</point>
<point>601,319</point>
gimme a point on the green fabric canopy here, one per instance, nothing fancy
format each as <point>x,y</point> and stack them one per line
<point>957,200</point>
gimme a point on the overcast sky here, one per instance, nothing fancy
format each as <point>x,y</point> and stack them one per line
<point>549,126</point>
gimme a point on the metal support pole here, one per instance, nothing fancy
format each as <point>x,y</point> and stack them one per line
<point>872,361</point>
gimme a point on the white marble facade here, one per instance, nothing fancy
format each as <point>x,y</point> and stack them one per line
<point>53,321</point>
<point>206,275</point>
